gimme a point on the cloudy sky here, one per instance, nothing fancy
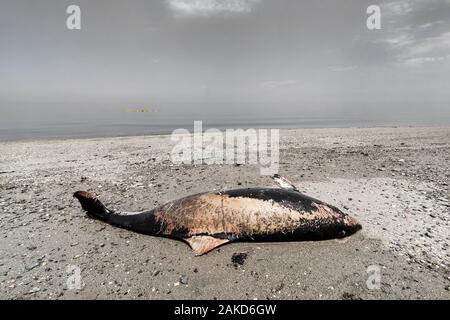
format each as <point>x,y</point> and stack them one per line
<point>213,52</point>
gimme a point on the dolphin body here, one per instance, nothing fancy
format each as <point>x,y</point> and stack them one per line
<point>208,220</point>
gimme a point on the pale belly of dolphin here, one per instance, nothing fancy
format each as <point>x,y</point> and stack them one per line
<point>209,220</point>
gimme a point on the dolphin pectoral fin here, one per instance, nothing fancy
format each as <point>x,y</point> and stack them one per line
<point>203,244</point>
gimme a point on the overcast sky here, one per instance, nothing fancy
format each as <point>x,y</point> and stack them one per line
<point>237,51</point>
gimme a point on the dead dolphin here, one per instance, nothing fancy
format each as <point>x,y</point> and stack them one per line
<point>208,220</point>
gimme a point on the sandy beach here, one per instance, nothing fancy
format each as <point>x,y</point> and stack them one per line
<point>395,181</point>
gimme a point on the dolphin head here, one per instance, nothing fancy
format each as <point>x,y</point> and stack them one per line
<point>348,227</point>
<point>333,222</point>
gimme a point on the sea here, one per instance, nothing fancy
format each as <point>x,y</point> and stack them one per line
<point>84,121</point>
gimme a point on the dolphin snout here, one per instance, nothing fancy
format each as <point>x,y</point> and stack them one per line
<point>352,226</point>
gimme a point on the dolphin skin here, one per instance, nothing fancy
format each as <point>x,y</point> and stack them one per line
<point>208,220</point>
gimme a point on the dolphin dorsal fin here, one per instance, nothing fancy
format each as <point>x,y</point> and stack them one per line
<point>203,244</point>
<point>284,183</point>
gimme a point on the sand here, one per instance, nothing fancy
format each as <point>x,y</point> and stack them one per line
<point>393,180</point>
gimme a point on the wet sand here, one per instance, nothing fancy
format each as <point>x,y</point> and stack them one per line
<point>393,180</point>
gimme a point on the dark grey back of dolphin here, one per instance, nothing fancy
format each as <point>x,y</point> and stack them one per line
<point>288,198</point>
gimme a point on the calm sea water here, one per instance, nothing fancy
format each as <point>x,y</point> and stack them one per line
<point>83,122</point>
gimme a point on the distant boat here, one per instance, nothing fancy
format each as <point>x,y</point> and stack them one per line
<point>141,110</point>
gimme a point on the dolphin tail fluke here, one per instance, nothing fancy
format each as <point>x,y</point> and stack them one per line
<point>93,207</point>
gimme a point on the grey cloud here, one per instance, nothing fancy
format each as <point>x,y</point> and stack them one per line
<point>211,7</point>
<point>278,84</point>
<point>343,68</point>
<point>417,31</point>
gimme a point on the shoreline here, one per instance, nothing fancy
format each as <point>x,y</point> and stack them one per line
<point>43,139</point>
